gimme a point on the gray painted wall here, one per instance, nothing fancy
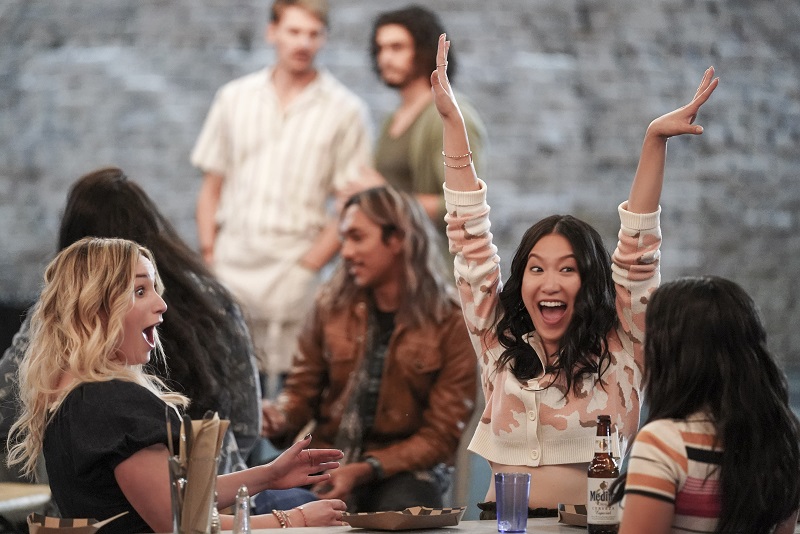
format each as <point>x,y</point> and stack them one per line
<point>566,88</point>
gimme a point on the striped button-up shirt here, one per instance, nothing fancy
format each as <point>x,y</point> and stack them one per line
<point>281,165</point>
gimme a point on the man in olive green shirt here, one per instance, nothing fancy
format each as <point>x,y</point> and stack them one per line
<point>408,152</point>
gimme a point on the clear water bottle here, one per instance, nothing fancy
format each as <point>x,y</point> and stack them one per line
<point>241,514</point>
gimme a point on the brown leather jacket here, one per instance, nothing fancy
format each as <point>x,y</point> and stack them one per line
<point>427,393</point>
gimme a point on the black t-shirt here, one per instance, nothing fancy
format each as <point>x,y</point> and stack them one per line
<point>97,427</point>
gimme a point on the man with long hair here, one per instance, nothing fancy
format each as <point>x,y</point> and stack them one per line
<point>407,152</point>
<point>384,363</point>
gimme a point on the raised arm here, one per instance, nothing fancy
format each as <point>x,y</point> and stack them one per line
<point>646,189</point>
<point>459,173</point>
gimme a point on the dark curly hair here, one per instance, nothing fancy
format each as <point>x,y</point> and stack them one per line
<point>425,27</point>
<point>583,348</point>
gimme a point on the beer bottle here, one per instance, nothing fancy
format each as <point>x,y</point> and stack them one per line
<point>602,517</point>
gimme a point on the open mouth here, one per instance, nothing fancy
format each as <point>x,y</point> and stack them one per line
<point>552,310</point>
<point>149,335</point>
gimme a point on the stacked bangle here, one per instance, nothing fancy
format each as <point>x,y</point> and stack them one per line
<point>282,518</point>
<point>467,164</point>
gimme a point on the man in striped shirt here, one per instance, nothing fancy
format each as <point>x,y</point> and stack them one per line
<point>276,147</point>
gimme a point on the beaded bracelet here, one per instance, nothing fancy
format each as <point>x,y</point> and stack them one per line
<point>286,517</point>
<point>457,157</point>
<point>467,164</point>
<point>281,517</point>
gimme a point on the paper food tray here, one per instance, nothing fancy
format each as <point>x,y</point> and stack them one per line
<point>416,517</point>
<point>572,514</point>
<point>41,524</point>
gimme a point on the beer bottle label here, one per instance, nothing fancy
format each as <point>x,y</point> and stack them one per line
<point>602,444</point>
<point>598,511</point>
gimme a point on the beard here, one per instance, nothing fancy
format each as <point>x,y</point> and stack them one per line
<point>402,79</point>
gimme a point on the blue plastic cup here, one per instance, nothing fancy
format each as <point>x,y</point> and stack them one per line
<point>512,491</point>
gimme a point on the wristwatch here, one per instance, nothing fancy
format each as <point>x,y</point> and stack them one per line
<point>377,468</point>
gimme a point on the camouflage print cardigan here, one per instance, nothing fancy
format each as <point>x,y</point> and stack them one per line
<point>529,423</point>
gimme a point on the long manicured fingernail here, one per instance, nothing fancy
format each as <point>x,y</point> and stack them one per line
<point>308,436</point>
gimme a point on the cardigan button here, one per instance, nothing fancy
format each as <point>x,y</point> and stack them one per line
<point>534,454</point>
<point>532,415</point>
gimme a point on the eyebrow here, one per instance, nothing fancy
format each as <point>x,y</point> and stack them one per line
<point>537,256</point>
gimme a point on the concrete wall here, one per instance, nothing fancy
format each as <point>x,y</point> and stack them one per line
<point>566,89</point>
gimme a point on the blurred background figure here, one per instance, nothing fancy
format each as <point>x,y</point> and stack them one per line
<point>276,147</point>
<point>385,367</point>
<point>408,150</point>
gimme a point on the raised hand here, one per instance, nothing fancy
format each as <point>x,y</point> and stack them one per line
<point>298,466</point>
<point>459,174</point>
<point>647,184</point>
<point>440,85</point>
<point>681,121</point>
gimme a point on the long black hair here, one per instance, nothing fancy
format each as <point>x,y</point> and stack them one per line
<point>197,330</point>
<point>706,351</point>
<point>583,348</point>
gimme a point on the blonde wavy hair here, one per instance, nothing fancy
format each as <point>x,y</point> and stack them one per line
<point>76,328</point>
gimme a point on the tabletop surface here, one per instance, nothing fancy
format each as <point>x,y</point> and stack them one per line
<point>19,496</point>
<point>535,526</point>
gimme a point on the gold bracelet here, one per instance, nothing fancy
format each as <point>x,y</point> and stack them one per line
<point>285,515</point>
<point>457,157</point>
<point>467,164</point>
<point>279,516</point>
<point>303,515</point>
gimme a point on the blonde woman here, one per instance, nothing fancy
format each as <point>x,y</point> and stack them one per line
<point>98,417</point>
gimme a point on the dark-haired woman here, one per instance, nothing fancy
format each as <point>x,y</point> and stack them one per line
<point>719,451</point>
<point>561,341</point>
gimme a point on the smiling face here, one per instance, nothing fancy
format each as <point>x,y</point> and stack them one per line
<point>297,37</point>
<point>371,261</point>
<point>550,285</point>
<point>395,55</point>
<point>147,306</point>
